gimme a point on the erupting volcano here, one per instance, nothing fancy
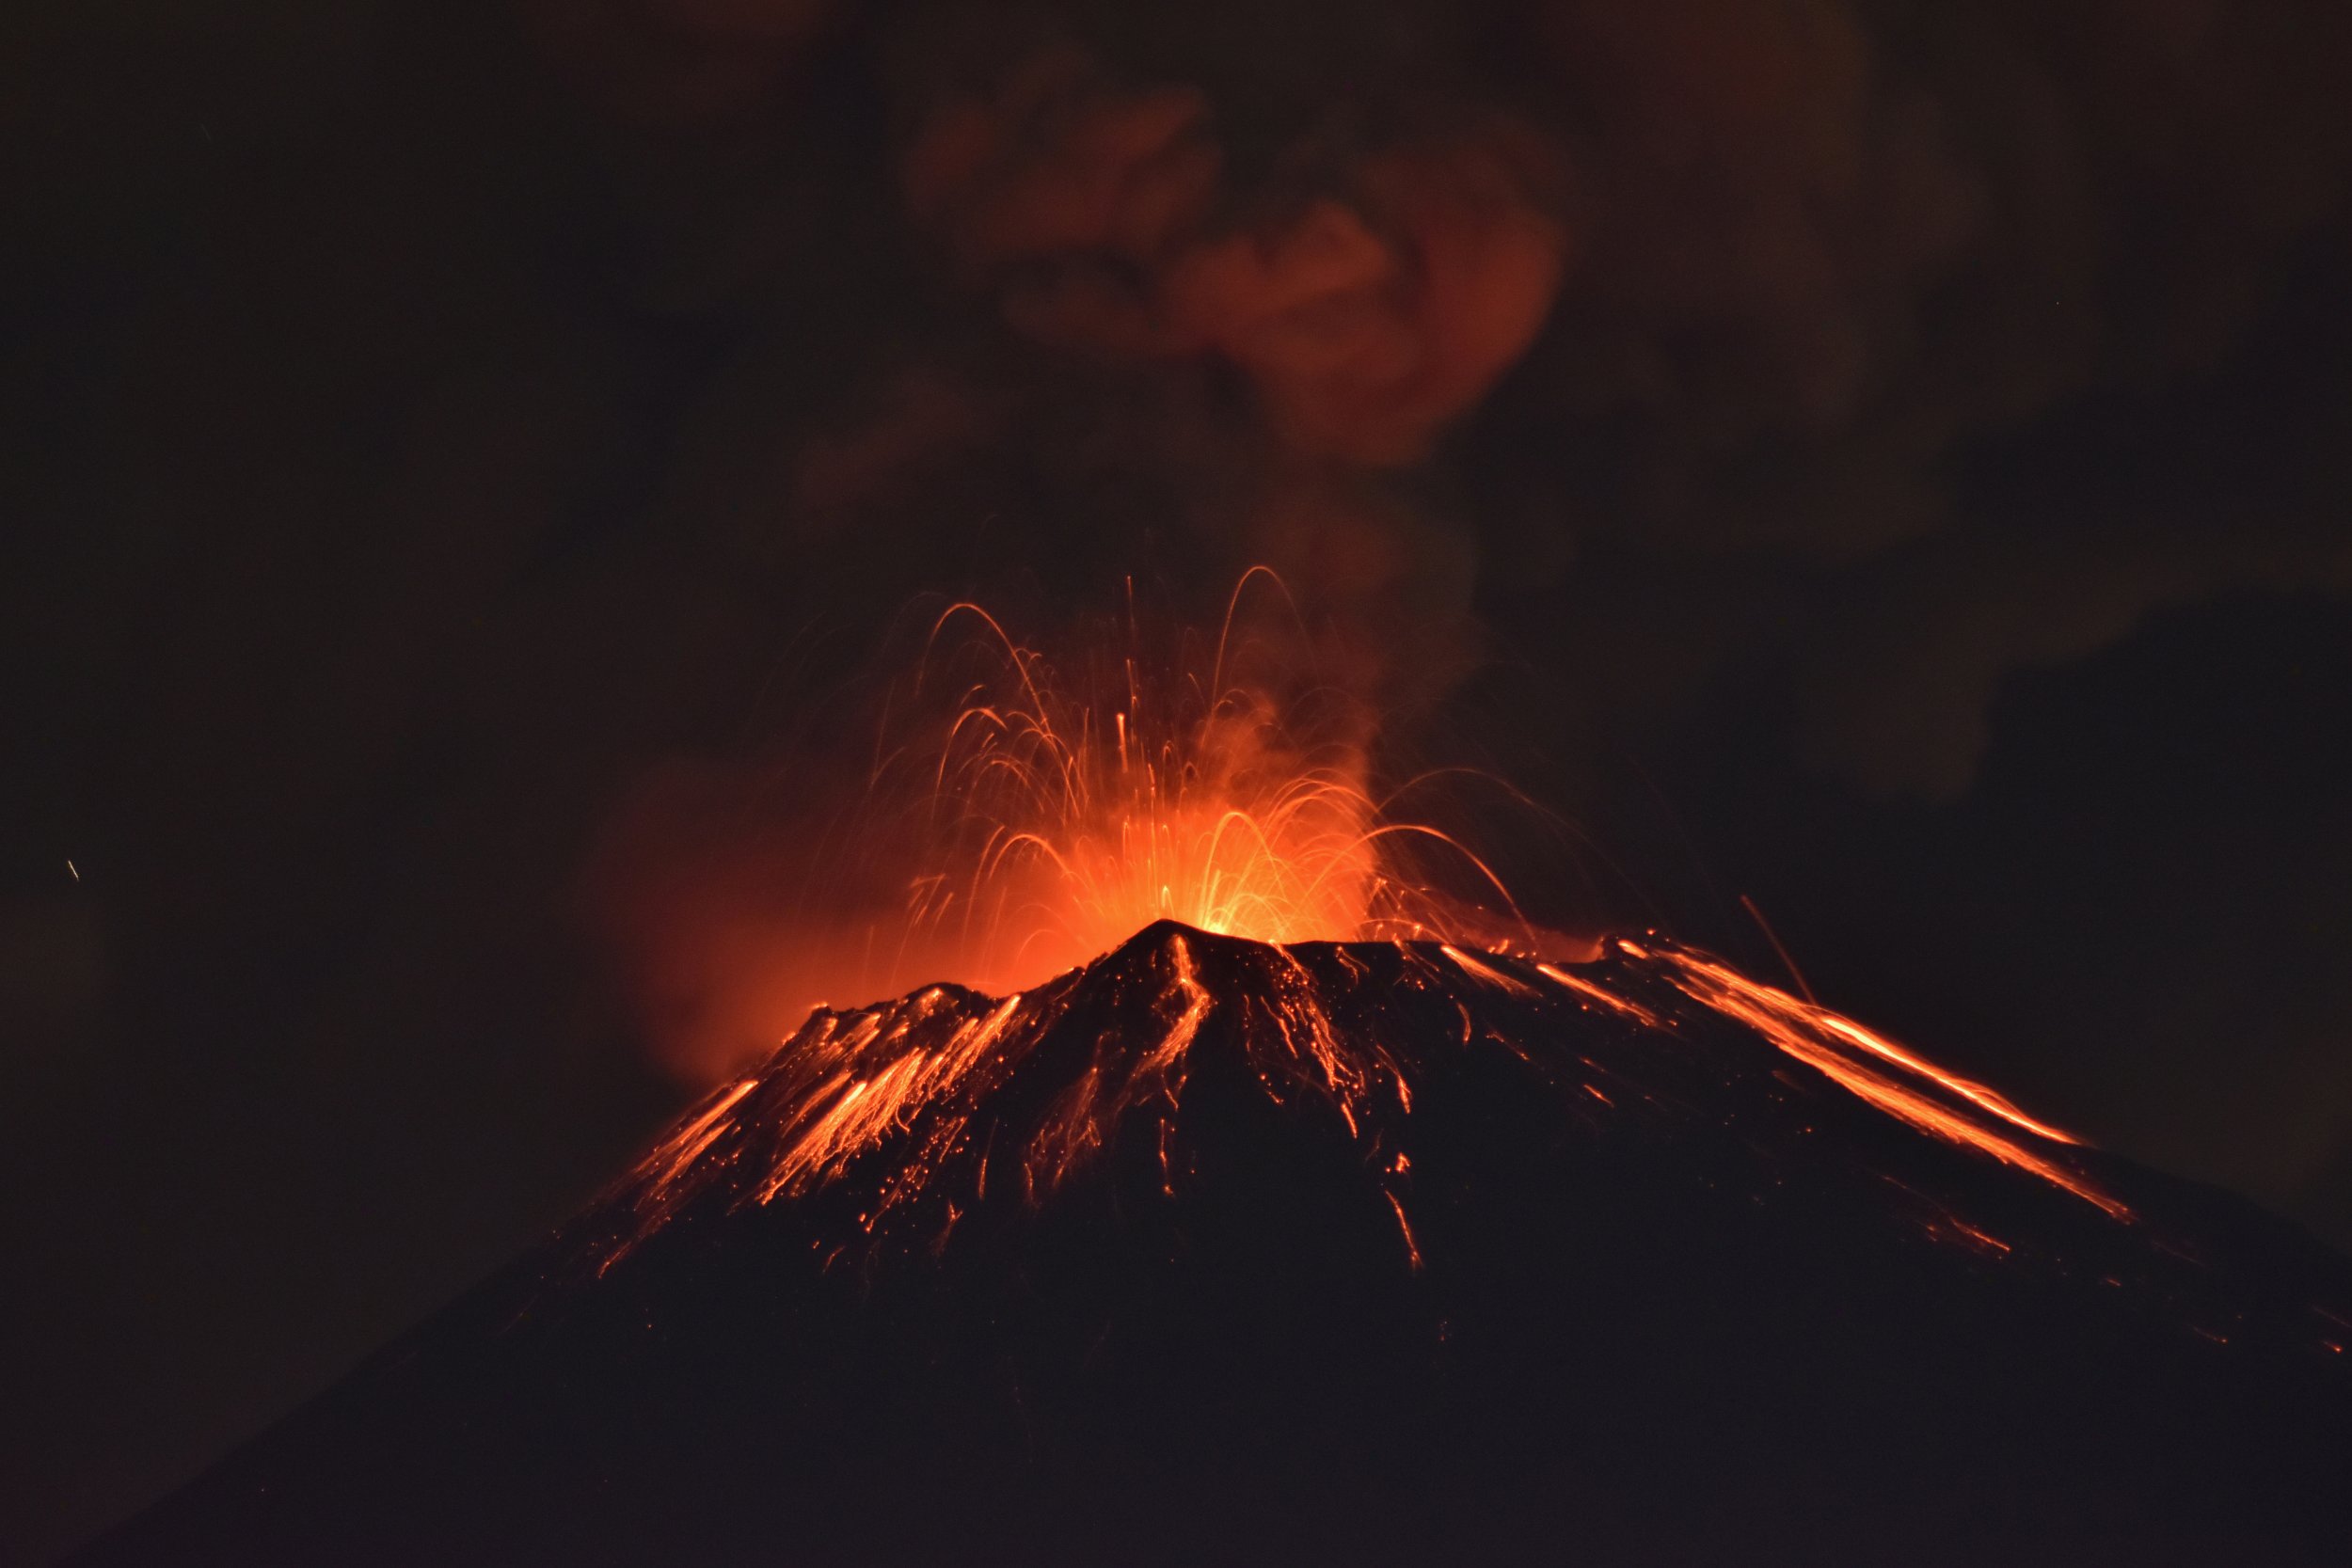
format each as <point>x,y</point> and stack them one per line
<point>1246,1197</point>
<point>907,1105</point>
<point>1217,1250</point>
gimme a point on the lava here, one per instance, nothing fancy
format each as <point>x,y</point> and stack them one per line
<point>921,1106</point>
<point>1376,1222</point>
<point>1064,816</point>
<point>1020,816</point>
<point>1127,875</point>
<point>1820,1039</point>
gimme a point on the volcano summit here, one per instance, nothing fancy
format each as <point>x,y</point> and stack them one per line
<point>1219,1251</point>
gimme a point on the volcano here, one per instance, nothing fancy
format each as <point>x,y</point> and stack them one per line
<point>1216,1251</point>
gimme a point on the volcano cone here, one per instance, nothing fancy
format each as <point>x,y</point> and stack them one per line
<point>1214,1251</point>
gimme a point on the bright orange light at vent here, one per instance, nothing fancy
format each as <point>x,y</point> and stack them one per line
<point>1020,817</point>
<point>1021,822</point>
<point>1070,821</point>
<point>1024,815</point>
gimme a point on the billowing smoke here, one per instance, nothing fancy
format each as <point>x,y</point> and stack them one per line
<point>1662,341</point>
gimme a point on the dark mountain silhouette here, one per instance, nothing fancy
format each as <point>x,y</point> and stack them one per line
<point>1215,1252</point>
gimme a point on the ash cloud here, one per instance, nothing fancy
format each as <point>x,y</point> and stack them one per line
<point>1528,306</point>
<point>1684,346</point>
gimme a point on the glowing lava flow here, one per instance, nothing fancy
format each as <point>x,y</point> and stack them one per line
<point>929,1104</point>
<point>1185,880</point>
<point>1820,1039</point>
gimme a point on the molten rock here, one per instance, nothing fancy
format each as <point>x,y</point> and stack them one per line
<point>1214,1251</point>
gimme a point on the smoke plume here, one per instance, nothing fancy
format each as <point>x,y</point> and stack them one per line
<point>1671,343</point>
<point>447,443</point>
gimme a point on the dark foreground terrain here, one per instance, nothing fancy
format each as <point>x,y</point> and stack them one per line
<point>1214,1252</point>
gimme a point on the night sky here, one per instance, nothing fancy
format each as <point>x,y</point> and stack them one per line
<point>1891,466</point>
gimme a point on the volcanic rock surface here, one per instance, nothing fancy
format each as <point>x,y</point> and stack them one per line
<point>1217,1252</point>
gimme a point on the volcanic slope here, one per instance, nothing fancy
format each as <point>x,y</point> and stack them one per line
<point>1217,1252</point>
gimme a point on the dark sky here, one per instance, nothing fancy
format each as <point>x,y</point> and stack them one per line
<point>1893,467</point>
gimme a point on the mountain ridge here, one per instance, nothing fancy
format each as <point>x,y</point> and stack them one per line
<point>1210,1250</point>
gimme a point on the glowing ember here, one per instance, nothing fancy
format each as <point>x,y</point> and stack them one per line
<point>1066,822</point>
<point>1019,817</point>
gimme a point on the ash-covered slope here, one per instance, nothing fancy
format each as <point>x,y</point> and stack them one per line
<point>1217,1252</point>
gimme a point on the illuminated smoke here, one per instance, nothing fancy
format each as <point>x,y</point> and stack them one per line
<point>1016,821</point>
<point>1368,304</point>
<point>1662,329</point>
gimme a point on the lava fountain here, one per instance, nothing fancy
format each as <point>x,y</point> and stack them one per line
<point>1064,822</point>
<point>1018,815</point>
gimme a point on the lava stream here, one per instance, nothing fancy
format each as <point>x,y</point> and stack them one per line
<point>911,1102</point>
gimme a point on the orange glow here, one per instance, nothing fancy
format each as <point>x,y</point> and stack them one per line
<point>1066,825</point>
<point>1819,1039</point>
<point>899,1101</point>
<point>1412,1247</point>
<point>1037,823</point>
<point>1021,816</point>
<point>1486,973</point>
